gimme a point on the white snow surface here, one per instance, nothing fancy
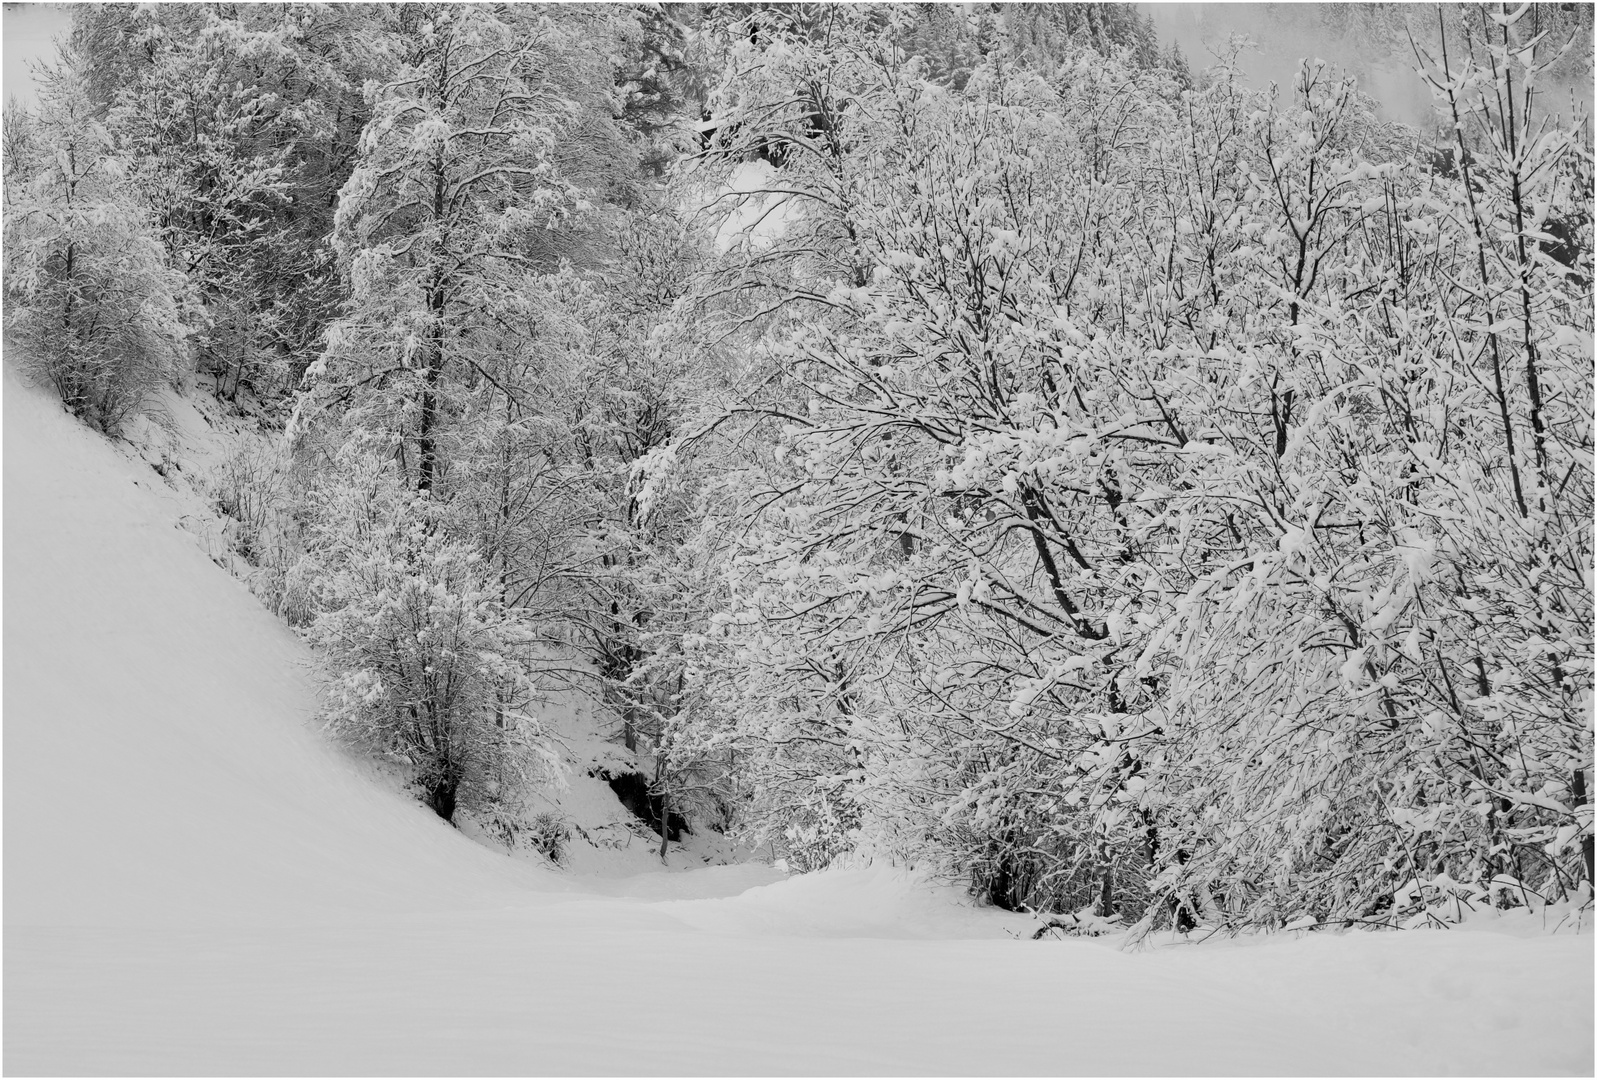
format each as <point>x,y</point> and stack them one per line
<point>196,883</point>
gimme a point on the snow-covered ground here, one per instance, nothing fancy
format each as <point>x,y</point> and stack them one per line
<point>196,883</point>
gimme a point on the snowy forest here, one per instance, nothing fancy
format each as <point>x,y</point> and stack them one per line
<point>981,438</point>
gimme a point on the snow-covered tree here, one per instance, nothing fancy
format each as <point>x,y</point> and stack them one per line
<point>901,579</point>
<point>91,300</point>
<point>1400,667</point>
<point>240,124</point>
<point>428,667</point>
<point>454,354</point>
<point>1117,438</point>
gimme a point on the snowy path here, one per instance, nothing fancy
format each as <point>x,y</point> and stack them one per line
<point>194,883</point>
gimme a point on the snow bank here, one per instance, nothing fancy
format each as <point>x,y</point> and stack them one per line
<point>195,883</point>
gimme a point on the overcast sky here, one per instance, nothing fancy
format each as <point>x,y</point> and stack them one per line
<point>1287,33</point>
<point>1283,41</point>
<point>26,32</point>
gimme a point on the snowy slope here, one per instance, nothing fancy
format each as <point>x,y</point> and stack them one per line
<point>192,444</point>
<point>158,763</point>
<point>195,883</point>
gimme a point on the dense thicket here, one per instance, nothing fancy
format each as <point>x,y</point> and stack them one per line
<point>239,124</point>
<point>959,435</point>
<point>1168,497</point>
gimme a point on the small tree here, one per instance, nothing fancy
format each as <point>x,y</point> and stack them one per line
<point>92,303</point>
<point>429,670</point>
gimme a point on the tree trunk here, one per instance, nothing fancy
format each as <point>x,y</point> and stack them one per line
<point>437,290</point>
<point>440,797</point>
<point>1581,799</point>
<point>665,821</point>
<point>426,440</point>
<point>1106,898</point>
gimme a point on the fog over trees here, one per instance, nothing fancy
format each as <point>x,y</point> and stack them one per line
<point>990,437</point>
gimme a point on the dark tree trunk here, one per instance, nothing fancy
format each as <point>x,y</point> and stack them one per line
<point>1181,907</point>
<point>665,816</point>
<point>437,296</point>
<point>440,797</point>
<point>427,439</point>
<point>1581,798</point>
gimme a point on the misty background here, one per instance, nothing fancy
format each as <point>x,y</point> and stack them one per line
<point>1369,41</point>
<point>27,37</point>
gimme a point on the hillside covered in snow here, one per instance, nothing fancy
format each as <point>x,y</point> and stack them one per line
<point>799,538</point>
<point>196,882</point>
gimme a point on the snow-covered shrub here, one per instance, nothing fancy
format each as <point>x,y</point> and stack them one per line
<point>427,668</point>
<point>290,590</point>
<point>251,487</point>
<point>506,822</point>
<point>91,302</point>
<point>236,349</point>
<point>549,834</point>
<point>1084,923</point>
